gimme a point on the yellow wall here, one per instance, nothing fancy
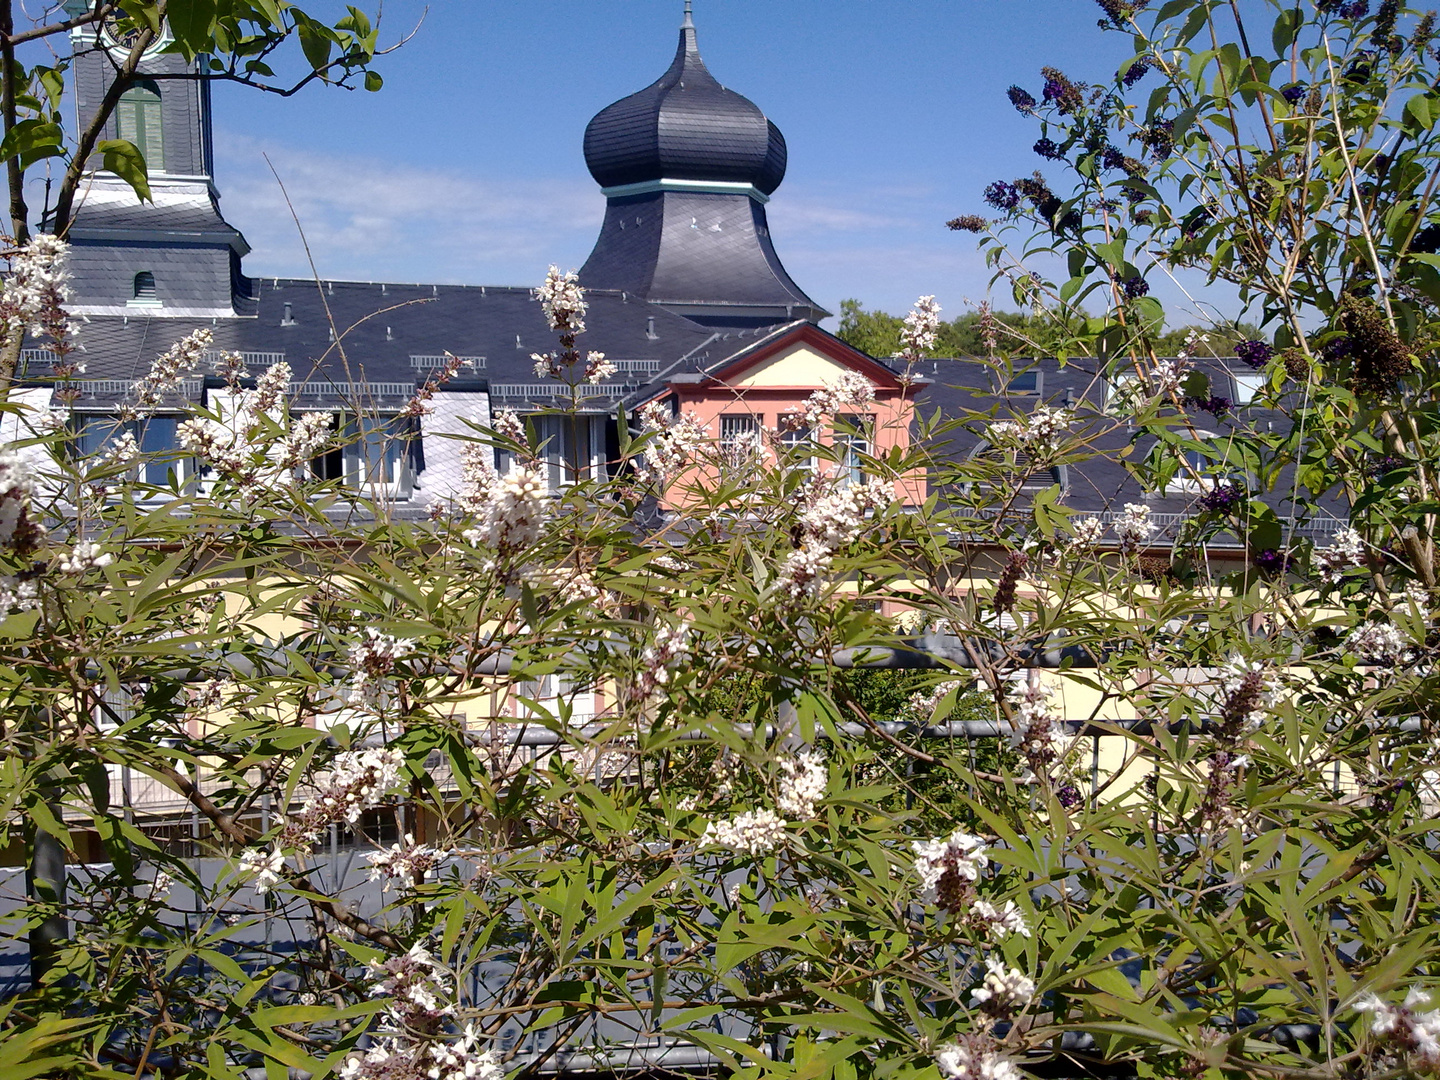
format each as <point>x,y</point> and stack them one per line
<point>799,366</point>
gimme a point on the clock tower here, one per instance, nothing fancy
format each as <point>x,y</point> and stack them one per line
<point>177,257</point>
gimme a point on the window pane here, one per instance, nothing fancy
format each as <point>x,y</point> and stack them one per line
<point>138,121</point>
<point>157,439</point>
<point>855,444</point>
<point>799,446</point>
<point>568,447</point>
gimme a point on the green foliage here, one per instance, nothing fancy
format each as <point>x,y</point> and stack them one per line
<point>1188,812</point>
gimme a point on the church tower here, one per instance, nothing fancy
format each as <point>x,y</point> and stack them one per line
<point>686,167</point>
<point>177,257</point>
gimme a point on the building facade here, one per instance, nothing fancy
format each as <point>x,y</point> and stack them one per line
<point>684,286</point>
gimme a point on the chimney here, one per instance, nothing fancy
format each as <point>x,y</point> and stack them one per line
<point>288,319</point>
<point>650,328</point>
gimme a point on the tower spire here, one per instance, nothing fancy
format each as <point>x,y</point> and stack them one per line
<point>689,23</point>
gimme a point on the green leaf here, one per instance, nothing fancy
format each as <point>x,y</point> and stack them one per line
<point>373,81</point>
<point>123,158</point>
<point>32,140</point>
<point>1423,109</point>
<point>191,23</point>
<point>1282,34</point>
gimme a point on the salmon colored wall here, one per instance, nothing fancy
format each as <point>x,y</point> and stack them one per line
<point>779,384</point>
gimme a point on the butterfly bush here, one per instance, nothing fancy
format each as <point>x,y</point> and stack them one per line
<point>627,767</point>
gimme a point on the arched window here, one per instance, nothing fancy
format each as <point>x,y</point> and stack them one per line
<point>145,288</point>
<point>138,119</point>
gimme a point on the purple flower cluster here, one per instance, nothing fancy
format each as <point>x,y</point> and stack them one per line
<point>1254,353</point>
<point>1159,139</point>
<point>1294,93</point>
<point>1427,240</point>
<point>1135,287</point>
<point>1068,796</point>
<point>1222,498</point>
<point>1048,148</point>
<point>1337,348</point>
<point>1271,561</point>
<point>1112,158</point>
<point>1065,95</point>
<point>1387,464</point>
<point>1136,71</point>
<point>1216,405</point>
<point>1021,99</point>
<point>1362,67</point>
<point>1002,196</point>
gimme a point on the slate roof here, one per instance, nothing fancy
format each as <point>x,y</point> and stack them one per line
<point>192,209</point>
<point>382,327</point>
<point>1100,484</point>
<point>685,126</point>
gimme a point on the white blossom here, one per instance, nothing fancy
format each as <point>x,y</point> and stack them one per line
<point>1404,1027</point>
<point>958,854</point>
<point>82,557</point>
<point>597,368</point>
<point>1134,528</point>
<point>33,294</point>
<point>1347,551</point>
<point>563,301</point>
<point>832,516</point>
<point>1377,643</point>
<point>510,509</point>
<point>921,706</point>
<point>359,780</point>
<point>850,391</point>
<point>1036,435</point>
<point>166,372</point>
<point>17,484</point>
<point>264,866</point>
<point>508,425</point>
<point>1249,687</point>
<point>1037,728</point>
<point>372,660</point>
<point>802,784</point>
<point>975,1059</point>
<point>657,660</point>
<point>17,595</point>
<point>754,832</point>
<point>1001,921</point>
<point>1006,990</point>
<point>406,863</point>
<point>1086,532</point>
<point>672,443</point>
<point>922,325</point>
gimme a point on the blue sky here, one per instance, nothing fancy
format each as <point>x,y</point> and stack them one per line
<point>467,167</point>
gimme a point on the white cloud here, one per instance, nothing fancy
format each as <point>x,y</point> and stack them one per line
<point>368,219</point>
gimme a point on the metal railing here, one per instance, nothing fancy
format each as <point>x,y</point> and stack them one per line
<point>432,361</point>
<point>558,390</point>
<point>351,390</point>
<point>190,388</point>
<point>212,356</point>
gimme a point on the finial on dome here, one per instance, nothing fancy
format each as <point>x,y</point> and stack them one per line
<point>689,23</point>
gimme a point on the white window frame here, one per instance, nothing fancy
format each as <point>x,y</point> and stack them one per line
<point>186,466</point>
<point>854,448</point>
<point>796,440</point>
<point>566,464</point>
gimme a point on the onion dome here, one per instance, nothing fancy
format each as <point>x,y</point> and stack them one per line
<point>685,126</point>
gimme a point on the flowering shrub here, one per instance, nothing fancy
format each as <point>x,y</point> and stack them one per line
<point>1154,808</point>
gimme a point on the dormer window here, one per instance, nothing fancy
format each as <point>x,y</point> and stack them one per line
<point>137,118</point>
<point>143,289</point>
<point>1024,383</point>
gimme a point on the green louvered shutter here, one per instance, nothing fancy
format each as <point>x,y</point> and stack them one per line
<point>138,117</point>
